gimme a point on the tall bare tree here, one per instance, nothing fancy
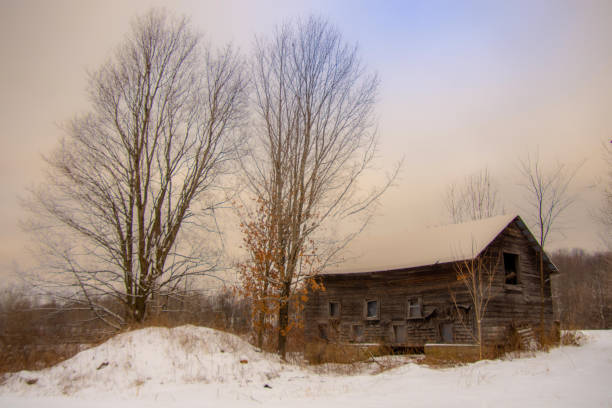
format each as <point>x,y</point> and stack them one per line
<point>606,209</point>
<point>475,199</point>
<point>606,219</point>
<point>314,105</point>
<point>141,167</point>
<point>548,196</point>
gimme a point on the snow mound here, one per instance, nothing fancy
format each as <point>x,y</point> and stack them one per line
<point>150,356</point>
<point>192,366</point>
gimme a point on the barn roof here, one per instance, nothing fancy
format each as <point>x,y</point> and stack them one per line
<point>433,245</point>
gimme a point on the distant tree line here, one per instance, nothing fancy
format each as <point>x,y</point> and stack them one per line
<point>583,289</point>
<point>36,333</point>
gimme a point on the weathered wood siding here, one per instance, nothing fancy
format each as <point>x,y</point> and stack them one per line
<point>392,290</point>
<point>519,304</point>
<point>511,304</point>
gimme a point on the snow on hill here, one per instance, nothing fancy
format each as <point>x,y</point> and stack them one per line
<point>193,366</point>
<point>161,356</point>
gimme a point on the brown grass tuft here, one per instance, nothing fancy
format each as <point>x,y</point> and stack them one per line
<point>572,338</point>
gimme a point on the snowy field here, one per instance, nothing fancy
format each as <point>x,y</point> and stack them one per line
<point>198,367</point>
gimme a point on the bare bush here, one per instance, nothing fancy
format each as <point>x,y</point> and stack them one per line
<point>572,338</point>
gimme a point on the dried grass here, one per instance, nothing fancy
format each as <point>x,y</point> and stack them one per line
<point>572,338</point>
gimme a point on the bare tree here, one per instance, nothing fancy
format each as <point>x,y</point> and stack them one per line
<point>548,196</point>
<point>605,214</point>
<point>475,199</point>
<point>477,275</point>
<point>606,219</point>
<point>314,106</point>
<point>139,171</point>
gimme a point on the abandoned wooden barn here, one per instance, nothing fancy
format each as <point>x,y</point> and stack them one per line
<point>402,293</point>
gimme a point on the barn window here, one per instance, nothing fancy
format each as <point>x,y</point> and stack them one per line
<point>357,332</point>
<point>511,268</point>
<point>415,308</point>
<point>334,310</point>
<point>372,309</point>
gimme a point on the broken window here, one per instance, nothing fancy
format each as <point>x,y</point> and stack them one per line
<point>415,308</point>
<point>334,310</point>
<point>511,268</point>
<point>371,309</point>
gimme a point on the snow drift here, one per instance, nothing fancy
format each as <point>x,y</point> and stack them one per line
<point>193,366</point>
<point>162,356</point>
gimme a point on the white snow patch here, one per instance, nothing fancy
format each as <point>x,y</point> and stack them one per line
<point>151,357</point>
<point>191,366</point>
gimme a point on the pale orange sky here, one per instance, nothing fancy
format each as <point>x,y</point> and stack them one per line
<point>463,85</point>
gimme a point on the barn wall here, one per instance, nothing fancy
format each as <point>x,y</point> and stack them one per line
<point>518,304</point>
<point>392,290</point>
<point>511,304</point>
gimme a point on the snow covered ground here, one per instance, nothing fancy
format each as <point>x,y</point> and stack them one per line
<point>198,367</point>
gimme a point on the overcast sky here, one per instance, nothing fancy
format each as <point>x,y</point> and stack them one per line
<point>464,85</point>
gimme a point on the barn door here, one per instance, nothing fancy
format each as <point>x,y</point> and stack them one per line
<point>446,330</point>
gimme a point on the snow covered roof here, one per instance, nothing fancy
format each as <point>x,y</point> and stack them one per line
<point>448,243</point>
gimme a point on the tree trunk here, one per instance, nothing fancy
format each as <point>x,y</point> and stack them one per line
<point>479,327</point>
<point>139,309</point>
<point>541,291</point>
<point>260,329</point>
<point>283,323</point>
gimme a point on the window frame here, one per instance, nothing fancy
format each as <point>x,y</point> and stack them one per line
<point>517,265</point>
<point>414,301</point>
<point>329,309</point>
<point>365,309</point>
